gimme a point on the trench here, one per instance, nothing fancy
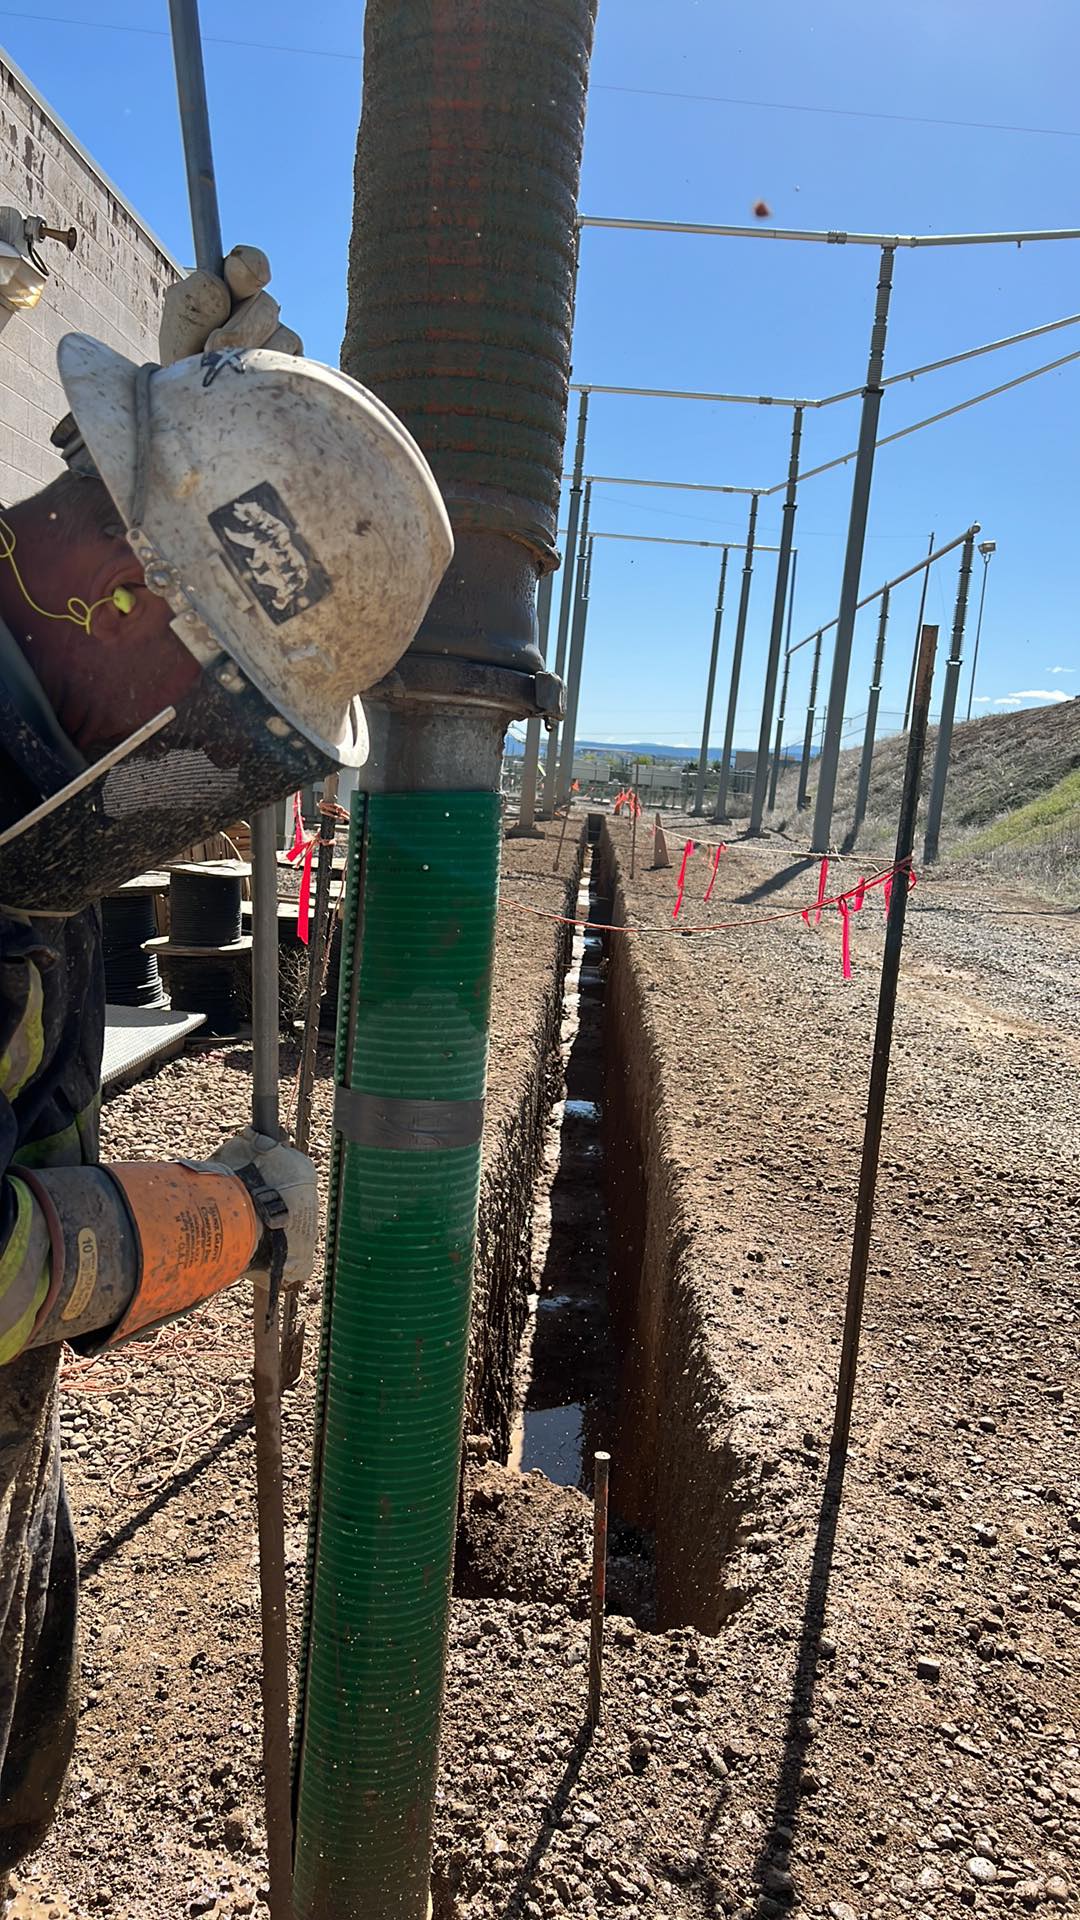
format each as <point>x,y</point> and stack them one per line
<point>612,1352</point>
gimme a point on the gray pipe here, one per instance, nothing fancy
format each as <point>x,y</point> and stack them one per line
<point>856,540</point>
<point>776,632</point>
<point>918,636</point>
<point>718,620</point>
<point>736,661</point>
<point>936,802</point>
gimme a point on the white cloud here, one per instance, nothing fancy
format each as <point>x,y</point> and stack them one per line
<point>1063,669</point>
<point>1040,693</point>
<point>1010,700</point>
<point>982,700</point>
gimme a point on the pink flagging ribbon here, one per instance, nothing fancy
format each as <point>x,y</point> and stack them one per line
<point>716,862</point>
<point>687,851</point>
<point>856,899</point>
<point>299,839</point>
<point>845,938</point>
<point>822,881</point>
<point>303,904</point>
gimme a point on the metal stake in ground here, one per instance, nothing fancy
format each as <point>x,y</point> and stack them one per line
<point>856,540</point>
<point>936,803</point>
<point>206,228</point>
<point>718,620</point>
<point>601,1466</point>
<point>879,1068</point>
<point>565,776</point>
<point>319,941</point>
<point>736,661</point>
<point>808,737</point>
<point>776,632</point>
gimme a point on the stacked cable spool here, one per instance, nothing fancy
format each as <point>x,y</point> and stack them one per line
<point>129,925</point>
<point>206,954</point>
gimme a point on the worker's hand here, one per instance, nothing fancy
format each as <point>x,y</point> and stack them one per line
<point>203,314</point>
<point>282,1171</point>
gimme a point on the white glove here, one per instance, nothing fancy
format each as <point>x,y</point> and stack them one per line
<point>203,314</point>
<point>290,1174</point>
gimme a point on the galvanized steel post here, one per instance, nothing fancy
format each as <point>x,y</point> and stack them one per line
<point>736,660</point>
<point>872,700</point>
<point>986,549</point>
<point>808,737</point>
<point>526,828</point>
<point>718,620</point>
<point>918,635</point>
<point>936,803</point>
<point>565,776</point>
<point>856,539</point>
<point>781,717</point>
<point>569,570</point>
<point>776,632</point>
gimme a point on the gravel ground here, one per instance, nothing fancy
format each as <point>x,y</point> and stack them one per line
<point>889,1724</point>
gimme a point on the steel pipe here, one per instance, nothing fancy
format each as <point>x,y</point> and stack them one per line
<point>736,661</point>
<point>936,803</point>
<point>703,762</point>
<point>776,631</point>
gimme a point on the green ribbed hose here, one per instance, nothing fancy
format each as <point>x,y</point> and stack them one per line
<point>424,879</point>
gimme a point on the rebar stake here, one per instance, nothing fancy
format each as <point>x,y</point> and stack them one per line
<point>601,1466</point>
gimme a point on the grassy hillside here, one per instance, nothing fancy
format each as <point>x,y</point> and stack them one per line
<point>1013,795</point>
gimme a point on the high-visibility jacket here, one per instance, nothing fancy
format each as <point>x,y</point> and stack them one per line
<point>52,1023</point>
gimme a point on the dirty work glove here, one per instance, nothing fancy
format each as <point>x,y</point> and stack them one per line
<point>203,314</point>
<point>271,1170</point>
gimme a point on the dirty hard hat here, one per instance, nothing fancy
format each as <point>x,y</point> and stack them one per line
<point>295,531</point>
<point>281,509</point>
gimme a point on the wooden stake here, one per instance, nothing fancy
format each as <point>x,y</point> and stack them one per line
<point>601,1465</point>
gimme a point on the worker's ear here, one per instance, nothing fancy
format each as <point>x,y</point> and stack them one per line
<point>129,611</point>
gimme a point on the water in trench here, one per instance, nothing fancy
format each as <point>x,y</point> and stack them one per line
<point>566,1371</point>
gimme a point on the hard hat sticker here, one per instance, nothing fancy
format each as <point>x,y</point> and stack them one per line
<point>268,554</point>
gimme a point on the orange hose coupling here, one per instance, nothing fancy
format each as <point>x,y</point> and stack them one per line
<point>197,1230</point>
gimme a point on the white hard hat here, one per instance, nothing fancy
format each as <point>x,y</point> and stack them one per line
<point>282,511</point>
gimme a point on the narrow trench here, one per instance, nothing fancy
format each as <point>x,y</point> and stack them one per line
<point>568,1377</point>
<point>565,1368</point>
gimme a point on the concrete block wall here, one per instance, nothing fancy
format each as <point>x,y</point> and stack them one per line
<point>112,285</point>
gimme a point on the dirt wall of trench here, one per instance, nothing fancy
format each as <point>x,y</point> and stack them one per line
<point>690,1464</point>
<point>518,1108</point>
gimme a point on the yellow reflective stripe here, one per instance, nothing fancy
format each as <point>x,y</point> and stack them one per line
<point>56,1150</point>
<point>24,1273</point>
<point>22,1056</point>
<point>68,1148</point>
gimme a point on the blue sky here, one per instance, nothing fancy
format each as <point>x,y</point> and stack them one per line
<point>835,115</point>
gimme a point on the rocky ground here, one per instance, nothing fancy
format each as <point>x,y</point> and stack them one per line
<point>890,1723</point>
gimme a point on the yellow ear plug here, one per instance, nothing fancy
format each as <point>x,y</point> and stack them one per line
<point>123,600</point>
<point>78,612</point>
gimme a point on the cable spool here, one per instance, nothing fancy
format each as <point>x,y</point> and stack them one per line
<point>205,903</point>
<point>129,921</point>
<point>218,986</point>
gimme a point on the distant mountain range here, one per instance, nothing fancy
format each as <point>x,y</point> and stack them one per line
<point>644,749</point>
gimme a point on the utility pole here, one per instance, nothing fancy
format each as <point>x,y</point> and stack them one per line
<point>808,737</point>
<point>776,632</point>
<point>526,828</point>
<point>986,548</point>
<point>821,837</point>
<point>565,777</point>
<point>736,660</point>
<point>873,698</point>
<point>936,803</point>
<point>718,619</point>
<point>570,553</point>
<point>781,717</point>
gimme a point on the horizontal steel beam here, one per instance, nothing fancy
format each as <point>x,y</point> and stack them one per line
<point>834,238</point>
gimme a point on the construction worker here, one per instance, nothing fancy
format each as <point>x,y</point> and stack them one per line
<point>243,542</point>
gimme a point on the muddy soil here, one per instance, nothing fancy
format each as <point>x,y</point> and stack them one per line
<point>889,1721</point>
